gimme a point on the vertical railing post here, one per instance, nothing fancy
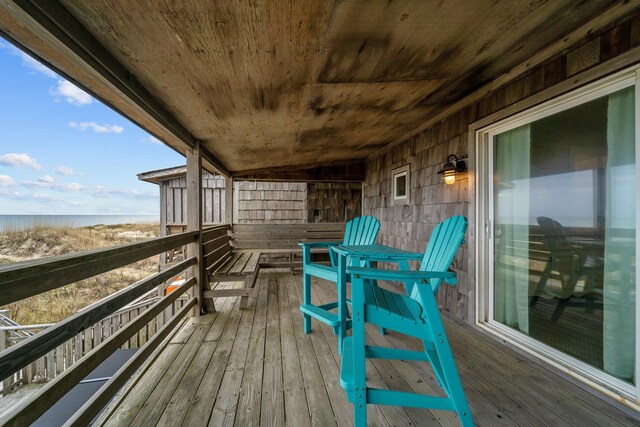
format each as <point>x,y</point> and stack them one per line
<point>228,200</point>
<point>4,344</point>
<point>194,220</point>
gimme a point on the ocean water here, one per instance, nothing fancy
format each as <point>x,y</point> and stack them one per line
<point>21,222</point>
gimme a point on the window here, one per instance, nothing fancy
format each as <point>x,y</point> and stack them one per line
<point>400,178</point>
<point>560,253</point>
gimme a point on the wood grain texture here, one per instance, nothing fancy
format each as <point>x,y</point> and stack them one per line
<point>29,411</point>
<point>94,405</point>
<point>27,278</point>
<point>272,83</point>
<point>263,367</point>
<point>192,205</point>
<point>27,351</point>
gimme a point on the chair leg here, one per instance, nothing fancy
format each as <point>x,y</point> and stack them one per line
<point>450,378</point>
<point>306,299</point>
<point>383,331</point>
<point>343,311</point>
<point>359,359</point>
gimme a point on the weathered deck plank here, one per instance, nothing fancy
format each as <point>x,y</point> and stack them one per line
<point>256,367</point>
<point>185,392</point>
<point>272,405</point>
<point>224,409</point>
<point>320,408</point>
<point>342,410</point>
<point>155,404</point>
<point>137,396</point>
<point>248,411</point>
<point>295,398</point>
<point>201,406</point>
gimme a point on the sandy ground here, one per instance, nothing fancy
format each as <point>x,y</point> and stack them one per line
<point>42,241</point>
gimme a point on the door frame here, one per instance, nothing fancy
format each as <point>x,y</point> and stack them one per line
<point>481,136</point>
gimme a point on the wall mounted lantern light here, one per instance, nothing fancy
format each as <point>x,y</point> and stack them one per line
<point>452,167</point>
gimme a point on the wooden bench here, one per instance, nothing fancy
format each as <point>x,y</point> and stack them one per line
<point>223,264</point>
<point>283,239</point>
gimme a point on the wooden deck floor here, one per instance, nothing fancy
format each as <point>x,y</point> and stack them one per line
<point>256,367</point>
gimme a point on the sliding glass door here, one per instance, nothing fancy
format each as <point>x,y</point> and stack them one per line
<point>562,190</point>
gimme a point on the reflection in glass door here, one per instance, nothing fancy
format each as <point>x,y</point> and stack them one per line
<point>564,257</point>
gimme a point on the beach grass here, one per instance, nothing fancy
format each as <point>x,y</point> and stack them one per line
<point>41,240</point>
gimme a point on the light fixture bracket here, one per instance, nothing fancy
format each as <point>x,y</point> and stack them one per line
<point>452,167</point>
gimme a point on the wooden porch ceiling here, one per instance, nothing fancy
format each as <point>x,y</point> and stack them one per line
<point>271,84</point>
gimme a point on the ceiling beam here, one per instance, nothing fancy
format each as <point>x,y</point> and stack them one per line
<point>50,21</point>
<point>353,171</point>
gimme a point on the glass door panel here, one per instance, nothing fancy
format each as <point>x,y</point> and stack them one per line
<point>564,198</point>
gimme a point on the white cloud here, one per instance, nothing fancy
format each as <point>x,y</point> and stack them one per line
<point>96,127</point>
<point>36,184</point>
<point>74,186</point>
<point>19,160</point>
<point>29,62</point>
<point>6,181</point>
<point>47,179</point>
<point>43,197</point>
<point>64,170</point>
<point>152,139</point>
<point>101,191</point>
<point>71,93</point>
<point>9,194</point>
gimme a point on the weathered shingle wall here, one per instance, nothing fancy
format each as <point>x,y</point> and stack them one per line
<point>333,202</point>
<point>173,194</point>
<point>431,201</point>
<point>271,202</point>
<point>265,202</point>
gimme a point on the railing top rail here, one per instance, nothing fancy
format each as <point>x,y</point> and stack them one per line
<point>26,327</point>
<point>18,356</point>
<point>61,261</point>
<point>28,278</point>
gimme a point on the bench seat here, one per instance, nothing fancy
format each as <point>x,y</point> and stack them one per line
<point>223,264</point>
<point>283,239</point>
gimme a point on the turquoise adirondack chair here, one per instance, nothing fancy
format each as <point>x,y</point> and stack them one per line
<point>361,230</point>
<point>416,315</point>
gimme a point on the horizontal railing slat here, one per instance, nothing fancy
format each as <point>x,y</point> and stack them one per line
<point>28,278</point>
<point>303,226</point>
<point>17,357</point>
<point>30,410</point>
<point>94,405</point>
<point>211,245</point>
<point>214,232</point>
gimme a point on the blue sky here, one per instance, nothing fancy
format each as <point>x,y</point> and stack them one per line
<point>63,152</point>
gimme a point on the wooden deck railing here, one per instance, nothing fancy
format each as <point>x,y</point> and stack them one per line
<point>56,361</point>
<point>25,279</point>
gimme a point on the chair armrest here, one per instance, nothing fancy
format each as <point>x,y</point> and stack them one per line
<point>318,244</point>
<point>399,275</point>
<point>391,259</point>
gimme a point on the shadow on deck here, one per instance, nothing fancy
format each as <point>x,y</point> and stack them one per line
<point>256,367</point>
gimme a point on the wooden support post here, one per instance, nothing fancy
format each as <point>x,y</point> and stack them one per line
<point>163,225</point>
<point>194,220</point>
<point>228,201</point>
<point>162,261</point>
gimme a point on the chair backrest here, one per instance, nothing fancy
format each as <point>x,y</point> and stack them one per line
<point>443,245</point>
<point>361,230</point>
